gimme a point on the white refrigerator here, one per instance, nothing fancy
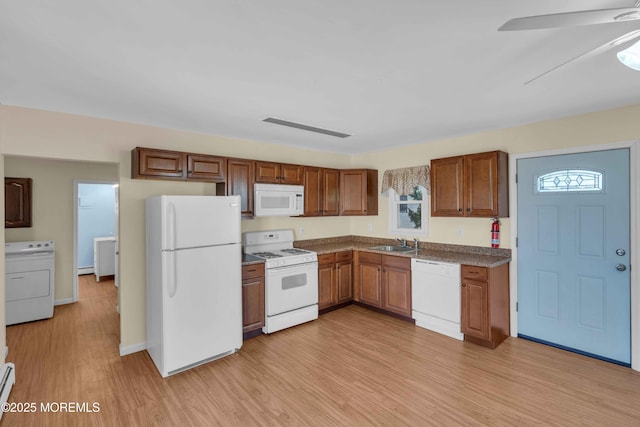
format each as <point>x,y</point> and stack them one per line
<point>194,280</point>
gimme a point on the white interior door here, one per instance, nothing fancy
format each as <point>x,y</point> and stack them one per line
<point>573,253</point>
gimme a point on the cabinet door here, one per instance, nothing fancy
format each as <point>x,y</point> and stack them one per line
<point>313,190</point>
<point>327,293</point>
<point>17,202</point>
<point>330,192</point>
<point>240,180</point>
<point>267,172</point>
<point>485,189</point>
<point>252,304</point>
<point>370,284</point>
<point>475,308</point>
<point>150,163</point>
<point>353,192</point>
<point>396,285</point>
<point>447,187</point>
<point>206,168</point>
<point>344,273</point>
<point>291,174</point>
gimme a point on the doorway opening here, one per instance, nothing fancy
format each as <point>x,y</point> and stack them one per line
<point>95,226</point>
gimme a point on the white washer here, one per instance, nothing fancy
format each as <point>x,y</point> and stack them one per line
<point>29,279</point>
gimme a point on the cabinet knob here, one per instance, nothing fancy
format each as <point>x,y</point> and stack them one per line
<point>384,270</point>
<point>459,209</point>
<point>463,285</point>
<point>468,209</point>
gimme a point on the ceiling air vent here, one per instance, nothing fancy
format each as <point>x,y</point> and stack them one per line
<point>305,127</point>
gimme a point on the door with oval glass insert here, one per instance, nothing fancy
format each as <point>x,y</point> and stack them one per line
<point>573,253</point>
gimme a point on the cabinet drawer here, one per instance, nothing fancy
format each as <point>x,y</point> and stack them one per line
<point>397,261</point>
<point>369,257</point>
<point>474,273</point>
<point>327,259</point>
<point>344,256</point>
<point>252,270</point>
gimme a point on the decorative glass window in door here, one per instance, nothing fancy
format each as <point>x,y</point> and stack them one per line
<point>572,180</point>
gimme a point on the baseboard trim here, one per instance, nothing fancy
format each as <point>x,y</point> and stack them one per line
<point>64,301</point>
<point>133,348</point>
<point>85,270</point>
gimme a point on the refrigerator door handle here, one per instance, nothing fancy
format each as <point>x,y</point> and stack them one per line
<point>172,274</point>
<point>171,226</point>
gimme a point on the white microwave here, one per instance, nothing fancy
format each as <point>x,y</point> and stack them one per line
<point>278,200</point>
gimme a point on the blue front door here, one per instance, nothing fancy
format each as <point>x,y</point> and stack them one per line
<point>573,252</point>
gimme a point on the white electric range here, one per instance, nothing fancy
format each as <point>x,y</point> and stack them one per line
<point>291,278</point>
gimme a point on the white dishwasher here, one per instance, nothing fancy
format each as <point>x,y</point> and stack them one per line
<point>435,296</point>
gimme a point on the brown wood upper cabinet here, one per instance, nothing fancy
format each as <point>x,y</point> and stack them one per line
<point>321,191</point>
<point>384,281</point>
<point>358,192</point>
<point>485,304</point>
<point>149,163</point>
<point>240,180</point>
<point>472,185</point>
<point>17,202</point>
<point>206,168</point>
<point>278,173</point>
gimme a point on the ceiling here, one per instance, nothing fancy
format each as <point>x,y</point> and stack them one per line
<point>389,73</point>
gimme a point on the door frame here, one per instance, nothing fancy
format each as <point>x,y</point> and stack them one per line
<point>634,227</point>
<point>76,182</point>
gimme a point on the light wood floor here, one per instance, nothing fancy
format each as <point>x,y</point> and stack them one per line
<point>351,367</point>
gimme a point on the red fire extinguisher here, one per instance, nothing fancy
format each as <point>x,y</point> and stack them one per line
<point>495,233</point>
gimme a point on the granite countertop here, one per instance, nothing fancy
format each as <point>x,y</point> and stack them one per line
<point>457,254</point>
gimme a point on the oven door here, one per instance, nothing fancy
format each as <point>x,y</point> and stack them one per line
<point>292,287</point>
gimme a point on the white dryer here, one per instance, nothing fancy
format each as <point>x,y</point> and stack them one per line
<point>29,279</point>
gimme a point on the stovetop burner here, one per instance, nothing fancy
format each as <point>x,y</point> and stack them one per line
<point>266,255</point>
<point>295,251</point>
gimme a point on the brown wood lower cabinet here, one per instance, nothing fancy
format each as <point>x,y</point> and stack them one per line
<point>252,297</point>
<point>485,304</point>
<point>384,281</point>
<point>335,279</point>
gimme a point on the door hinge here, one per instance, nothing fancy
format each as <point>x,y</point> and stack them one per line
<point>516,178</point>
<point>516,307</point>
<point>516,242</point>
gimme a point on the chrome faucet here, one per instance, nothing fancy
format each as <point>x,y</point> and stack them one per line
<point>403,242</point>
<point>416,244</point>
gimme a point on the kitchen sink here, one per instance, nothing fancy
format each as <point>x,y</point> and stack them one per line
<point>390,248</point>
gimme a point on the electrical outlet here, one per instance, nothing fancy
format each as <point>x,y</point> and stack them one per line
<point>301,230</point>
<point>460,232</point>
<point>369,227</point>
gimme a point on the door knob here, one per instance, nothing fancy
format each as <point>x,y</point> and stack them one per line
<point>620,252</point>
<point>621,267</point>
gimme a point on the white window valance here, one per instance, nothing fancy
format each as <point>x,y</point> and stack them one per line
<point>404,180</point>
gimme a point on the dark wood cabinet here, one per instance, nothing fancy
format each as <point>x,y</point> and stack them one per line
<point>321,191</point>
<point>358,192</point>
<point>327,289</point>
<point>17,202</point>
<point>485,304</point>
<point>475,185</point>
<point>335,279</point>
<point>240,180</point>
<point>384,281</point>
<point>150,163</point>
<point>344,274</point>
<point>278,173</point>
<point>206,168</point>
<point>252,297</point>
<point>396,285</point>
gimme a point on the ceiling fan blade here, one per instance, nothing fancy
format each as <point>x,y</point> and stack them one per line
<point>591,53</point>
<point>570,19</point>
